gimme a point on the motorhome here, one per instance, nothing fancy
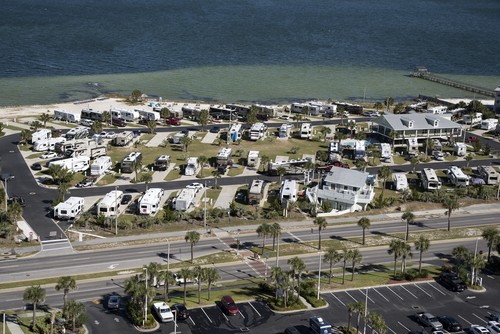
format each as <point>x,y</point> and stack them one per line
<point>224,156</point>
<point>131,162</point>
<point>191,167</point>
<point>76,164</point>
<point>457,177</point>
<point>439,110</point>
<point>412,146</point>
<point>120,122</point>
<point>149,203</point>
<point>235,132</point>
<point>291,166</point>
<point>489,124</point>
<point>288,191</point>
<point>285,130</point>
<point>184,199</point>
<point>47,144</point>
<point>90,151</point>
<point>110,204</point>
<point>177,138</point>
<point>67,116</point>
<point>77,133</point>
<point>148,115</point>
<point>124,138</point>
<point>429,179</point>
<point>95,115</point>
<point>255,192</point>
<point>73,144</point>
<point>460,149</point>
<point>69,209</point>
<point>163,312</point>
<point>161,163</point>
<point>473,119</point>
<point>400,181</point>
<point>359,150</point>
<point>41,135</point>
<point>129,116</point>
<point>253,159</point>
<point>100,165</point>
<point>258,131</point>
<point>385,152</point>
<point>488,174</point>
<point>305,108</point>
<point>306,131</point>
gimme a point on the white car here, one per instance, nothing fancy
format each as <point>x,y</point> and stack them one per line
<point>285,117</point>
<point>197,186</point>
<point>163,312</point>
<point>493,327</point>
<point>477,329</point>
<point>180,280</point>
<point>110,135</point>
<point>48,155</point>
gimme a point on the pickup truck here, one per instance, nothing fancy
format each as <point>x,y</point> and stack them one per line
<point>429,320</point>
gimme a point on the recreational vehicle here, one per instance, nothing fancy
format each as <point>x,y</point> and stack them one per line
<point>439,110</point>
<point>258,131</point>
<point>68,116</point>
<point>47,144</point>
<point>120,122</point>
<point>131,162</point>
<point>224,156</point>
<point>235,132</point>
<point>100,165</point>
<point>149,115</point>
<point>184,199</point>
<point>255,192</point>
<point>489,124</point>
<point>306,108</point>
<point>429,179</point>
<point>124,138</point>
<point>458,177</point>
<point>149,203</point>
<point>109,205</point>
<point>77,133</point>
<point>191,167</point>
<point>460,149</point>
<point>284,130</point>
<point>400,181</point>
<point>128,115</point>
<point>92,114</point>
<point>161,163</point>
<point>291,166</point>
<point>385,152</point>
<point>288,191</point>
<point>41,135</point>
<point>488,174</point>
<point>253,159</point>
<point>69,209</point>
<point>76,164</point>
<point>473,119</point>
<point>306,131</point>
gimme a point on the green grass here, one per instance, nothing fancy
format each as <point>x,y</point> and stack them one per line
<point>107,180</point>
<point>235,171</point>
<point>173,175</point>
<point>399,160</point>
<point>34,156</point>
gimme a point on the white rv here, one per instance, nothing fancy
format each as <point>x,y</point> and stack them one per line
<point>429,179</point>
<point>109,205</point>
<point>149,203</point>
<point>400,181</point>
<point>235,132</point>
<point>100,165</point>
<point>184,199</point>
<point>191,167</point>
<point>306,131</point>
<point>473,119</point>
<point>68,116</point>
<point>288,191</point>
<point>489,124</point>
<point>89,113</point>
<point>148,115</point>
<point>460,149</point>
<point>306,108</point>
<point>47,144</point>
<point>284,130</point>
<point>253,159</point>
<point>258,131</point>
<point>458,177</point>
<point>124,138</point>
<point>439,110</point>
<point>255,192</point>
<point>131,162</point>
<point>125,114</point>
<point>41,135</point>
<point>76,164</point>
<point>488,174</point>
<point>77,133</point>
<point>385,152</point>
<point>224,156</point>
<point>69,209</point>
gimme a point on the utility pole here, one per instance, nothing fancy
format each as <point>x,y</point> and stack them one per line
<point>116,210</point>
<point>366,310</point>
<point>168,255</point>
<point>319,274</point>
<point>146,299</point>
<point>205,207</point>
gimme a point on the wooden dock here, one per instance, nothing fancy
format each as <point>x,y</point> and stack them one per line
<point>453,83</point>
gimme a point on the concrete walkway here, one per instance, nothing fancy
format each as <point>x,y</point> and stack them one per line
<point>209,138</point>
<point>158,139</point>
<point>226,196</point>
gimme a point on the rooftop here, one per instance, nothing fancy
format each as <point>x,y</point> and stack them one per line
<point>347,177</point>
<point>420,122</point>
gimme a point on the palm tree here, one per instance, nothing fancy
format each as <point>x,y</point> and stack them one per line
<point>429,146</point>
<point>151,125</point>
<point>276,274</point>
<point>360,309</point>
<point>66,284</point>
<point>414,161</point>
<point>35,294</point>
<point>281,171</point>
<point>351,308</point>
<point>468,158</point>
<point>202,160</point>
<point>199,273</point>
<point>275,232</point>
<point>377,322</point>
<point>339,136</point>
<point>461,254</point>
<point>25,136</point>
<point>378,105</point>
<point>405,253</point>
<point>492,237</point>
<point>476,263</point>
<point>73,310</point>
<point>396,248</point>
<point>203,118</point>
<point>384,173</point>
<point>298,266</point>
<point>211,275</point>
<point>422,245</point>
<point>352,126</point>
<point>263,231</point>
<point>35,125</point>
<point>216,174</point>
<point>409,217</point>
<point>153,270</point>
<point>167,277</point>
<point>185,274</point>
<point>185,141</point>
<point>106,117</point>
<point>325,131</point>
<point>346,257</point>
<point>192,237</point>
<point>450,204</point>
<point>356,257</point>
<point>364,223</point>
<point>134,288</point>
<point>44,118</point>
<point>321,222</point>
<point>331,256</point>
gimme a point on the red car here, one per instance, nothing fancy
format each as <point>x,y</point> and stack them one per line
<point>229,305</point>
<point>172,121</point>
<point>472,139</point>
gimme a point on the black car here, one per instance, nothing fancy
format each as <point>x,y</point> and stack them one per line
<point>181,312</point>
<point>450,324</point>
<point>215,129</point>
<point>36,166</point>
<point>126,199</point>
<point>452,281</point>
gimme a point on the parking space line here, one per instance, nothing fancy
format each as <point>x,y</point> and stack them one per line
<point>240,314</point>
<point>467,321</point>
<point>479,318</point>
<point>254,309</point>
<point>351,296</point>
<point>408,291</point>
<point>206,315</point>
<point>381,295</point>
<point>389,328</point>
<point>192,321</point>
<point>395,293</point>
<point>404,326</point>
<point>422,290</point>
<point>367,297</point>
<point>337,299</point>
<point>438,290</point>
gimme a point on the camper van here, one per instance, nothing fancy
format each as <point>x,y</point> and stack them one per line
<point>76,164</point>
<point>191,167</point>
<point>124,138</point>
<point>460,149</point>
<point>41,135</point>
<point>429,179</point>
<point>306,131</point>
<point>258,131</point>
<point>255,192</point>
<point>69,209</point>
<point>149,203</point>
<point>161,163</point>
<point>489,124</point>
<point>488,174</point>
<point>68,116</point>
<point>253,159</point>
<point>184,199</point>
<point>47,144</point>
<point>100,165</point>
<point>109,205</point>
<point>458,177</point>
<point>130,162</point>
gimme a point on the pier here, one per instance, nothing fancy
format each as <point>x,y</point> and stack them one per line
<point>422,73</point>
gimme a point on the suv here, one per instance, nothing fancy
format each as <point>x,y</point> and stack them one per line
<point>477,329</point>
<point>450,324</point>
<point>114,302</point>
<point>229,305</point>
<point>452,282</point>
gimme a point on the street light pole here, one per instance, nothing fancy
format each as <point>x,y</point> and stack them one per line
<point>366,310</point>
<point>146,299</point>
<point>116,210</point>
<point>319,274</point>
<point>205,207</point>
<point>6,194</point>
<point>238,242</point>
<point>168,255</point>
<point>278,252</point>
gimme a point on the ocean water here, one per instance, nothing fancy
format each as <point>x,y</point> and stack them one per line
<point>245,50</point>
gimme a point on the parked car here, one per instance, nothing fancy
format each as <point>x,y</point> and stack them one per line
<point>452,281</point>
<point>48,155</point>
<point>180,280</point>
<point>472,139</point>
<point>111,135</point>
<point>126,199</point>
<point>493,316</point>
<point>429,320</point>
<point>181,312</point>
<point>477,329</point>
<point>493,327</point>
<point>86,122</point>
<point>450,324</point>
<point>196,185</point>
<point>36,166</point>
<point>172,121</point>
<point>114,302</point>
<point>229,305</point>
<point>285,117</point>
<point>215,129</point>
<point>87,182</point>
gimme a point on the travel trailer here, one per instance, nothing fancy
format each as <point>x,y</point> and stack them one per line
<point>77,133</point>
<point>285,130</point>
<point>473,119</point>
<point>41,135</point>
<point>460,149</point>
<point>47,144</point>
<point>161,163</point>
<point>149,203</point>
<point>258,131</point>
<point>253,159</point>
<point>191,167</point>
<point>235,132</point>
<point>95,115</point>
<point>488,174</point>
<point>76,164</point>
<point>127,115</point>
<point>489,124</point>
<point>110,204</point>
<point>457,177</point>
<point>429,179</point>
<point>224,157</point>
<point>400,181</point>
<point>255,192</point>
<point>124,138</point>
<point>291,166</point>
<point>69,209</point>
<point>439,110</point>
<point>306,108</point>
<point>130,162</point>
<point>184,199</point>
<point>148,115</point>
<point>100,165</point>
<point>385,152</point>
<point>288,191</point>
<point>68,116</point>
<point>306,131</point>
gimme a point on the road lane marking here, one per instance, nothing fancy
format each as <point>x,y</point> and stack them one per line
<point>295,237</point>
<point>404,326</point>
<point>479,318</point>
<point>395,293</point>
<point>408,291</point>
<point>255,309</point>
<point>381,295</point>
<point>438,290</point>
<point>206,315</point>
<point>241,314</point>
<point>467,321</point>
<point>422,290</point>
<point>351,296</point>
<point>337,299</point>
<point>192,321</point>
